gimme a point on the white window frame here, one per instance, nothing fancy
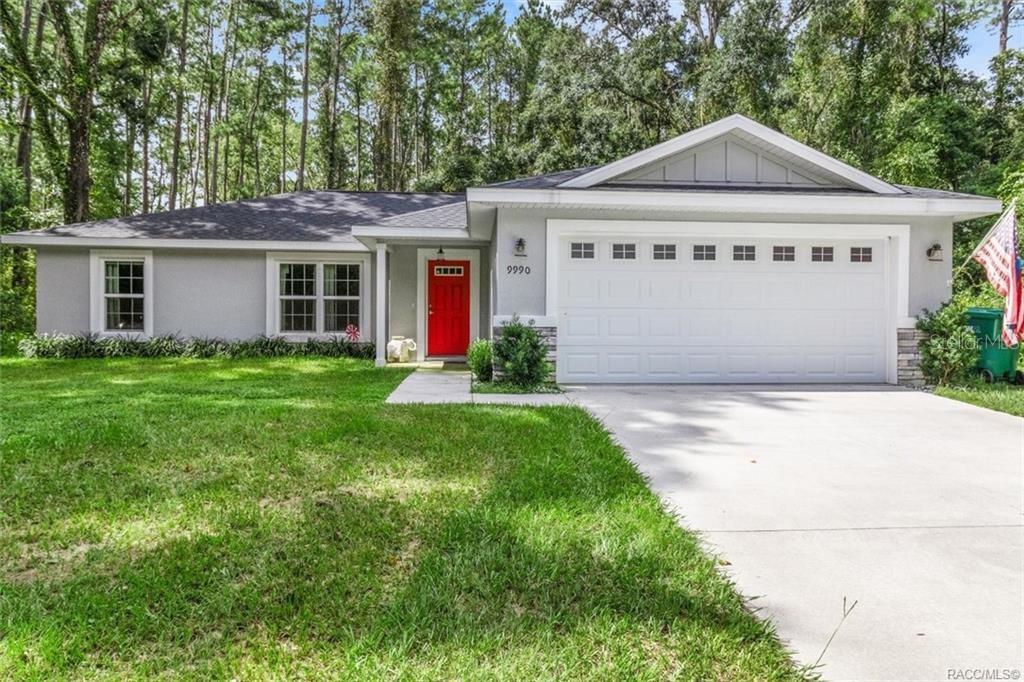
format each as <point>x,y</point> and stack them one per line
<point>278,258</point>
<point>705,246</point>
<point>667,247</point>
<point>585,253</point>
<point>787,251</point>
<point>826,250</point>
<point>862,251</point>
<point>97,291</point>
<point>625,253</point>
<point>744,251</point>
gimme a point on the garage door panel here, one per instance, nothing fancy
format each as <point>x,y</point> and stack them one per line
<point>622,327</point>
<point>723,321</point>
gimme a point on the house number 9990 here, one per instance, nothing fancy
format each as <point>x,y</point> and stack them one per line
<point>518,269</point>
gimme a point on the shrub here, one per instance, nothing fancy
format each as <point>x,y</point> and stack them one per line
<point>91,346</point>
<point>480,360</point>
<point>951,350</point>
<point>521,354</point>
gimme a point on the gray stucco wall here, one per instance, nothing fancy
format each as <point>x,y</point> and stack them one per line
<point>525,294</point>
<point>62,291</point>
<point>219,294</point>
<point>195,293</point>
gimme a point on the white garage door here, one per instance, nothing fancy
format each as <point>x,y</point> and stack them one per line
<point>721,310</point>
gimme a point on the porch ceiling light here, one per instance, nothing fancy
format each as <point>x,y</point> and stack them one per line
<point>935,252</point>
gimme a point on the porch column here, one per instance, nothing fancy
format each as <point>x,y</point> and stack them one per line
<point>380,323</point>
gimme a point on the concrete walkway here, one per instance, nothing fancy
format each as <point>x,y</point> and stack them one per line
<point>431,386</point>
<point>903,502</point>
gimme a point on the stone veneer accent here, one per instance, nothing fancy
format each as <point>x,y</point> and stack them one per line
<point>548,335</point>
<point>908,357</point>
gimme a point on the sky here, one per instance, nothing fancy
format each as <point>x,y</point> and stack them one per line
<point>982,40</point>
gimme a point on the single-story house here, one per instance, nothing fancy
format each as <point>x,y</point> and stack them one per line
<point>731,253</point>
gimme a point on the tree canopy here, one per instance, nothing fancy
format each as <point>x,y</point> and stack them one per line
<point>117,107</point>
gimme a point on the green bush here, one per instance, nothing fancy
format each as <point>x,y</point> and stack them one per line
<point>480,360</point>
<point>951,350</point>
<point>521,354</point>
<point>68,346</point>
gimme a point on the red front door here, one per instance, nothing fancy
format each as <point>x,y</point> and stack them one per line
<point>447,307</point>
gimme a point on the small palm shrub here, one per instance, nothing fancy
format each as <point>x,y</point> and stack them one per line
<point>951,350</point>
<point>521,354</point>
<point>480,360</point>
<point>66,346</point>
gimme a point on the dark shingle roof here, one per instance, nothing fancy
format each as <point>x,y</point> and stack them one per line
<point>450,216</point>
<point>296,216</point>
<point>543,181</point>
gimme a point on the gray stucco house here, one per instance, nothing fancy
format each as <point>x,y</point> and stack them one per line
<point>731,253</point>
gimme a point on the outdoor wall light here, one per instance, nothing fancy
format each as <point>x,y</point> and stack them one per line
<point>520,246</point>
<point>440,253</point>
<point>935,252</point>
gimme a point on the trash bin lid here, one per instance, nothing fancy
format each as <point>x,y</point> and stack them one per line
<point>984,313</point>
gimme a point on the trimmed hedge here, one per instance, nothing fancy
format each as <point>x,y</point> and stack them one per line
<point>67,346</point>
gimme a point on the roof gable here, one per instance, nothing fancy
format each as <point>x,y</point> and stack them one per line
<point>732,151</point>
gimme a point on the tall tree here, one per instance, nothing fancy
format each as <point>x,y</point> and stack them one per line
<point>179,101</point>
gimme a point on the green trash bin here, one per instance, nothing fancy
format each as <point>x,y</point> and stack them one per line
<point>995,361</point>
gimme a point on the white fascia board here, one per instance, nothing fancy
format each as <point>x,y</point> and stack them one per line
<point>721,127</point>
<point>432,233</point>
<point>210,244</point>
<point>741,202</point>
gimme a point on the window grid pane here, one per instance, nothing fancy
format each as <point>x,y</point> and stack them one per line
<point>624,251</point>
<point>664,252</point>
<point>298,279</point>
<point>341,280</point>
<point>298,315</point>
<point>784,253</point>
<point>124,313</point>
<point>339,313</point>
<point>860,254</point>
<point>123,277</point>
<point>743,252</point>
<point>821,254</point>
<point>584,250</point>
<point>703,252</point>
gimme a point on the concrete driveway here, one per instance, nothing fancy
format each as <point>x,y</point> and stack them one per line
<point>903,502</point>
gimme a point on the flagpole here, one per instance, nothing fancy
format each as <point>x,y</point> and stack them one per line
<point>1011,207</point>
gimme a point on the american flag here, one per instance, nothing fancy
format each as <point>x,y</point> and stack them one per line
<point>998,255</point>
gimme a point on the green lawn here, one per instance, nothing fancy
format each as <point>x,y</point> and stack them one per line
<point>213,518</point>
<point>1002,397</point>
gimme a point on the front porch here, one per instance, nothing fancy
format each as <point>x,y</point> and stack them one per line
<point>436,293</point>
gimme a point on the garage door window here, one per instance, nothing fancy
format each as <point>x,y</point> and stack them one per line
<point>860,254</point>
<point>664,252</point>
<point>624,251</point>
<point>581,250</point>
<point>821,254</point>
<point>703,252</point>
<point>786,254</point>
<point>744,252</point>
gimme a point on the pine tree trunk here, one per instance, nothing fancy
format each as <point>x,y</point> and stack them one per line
<point>221,114</point>
<point>172,199</point>
<point>301,180</point>
<point>145,142</point>
<point>285,91</point>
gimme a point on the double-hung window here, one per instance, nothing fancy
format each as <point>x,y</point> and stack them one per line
<point>298,297</point>
<point>314,296</point>
<point>341,296</point>
<point>121,291</point>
